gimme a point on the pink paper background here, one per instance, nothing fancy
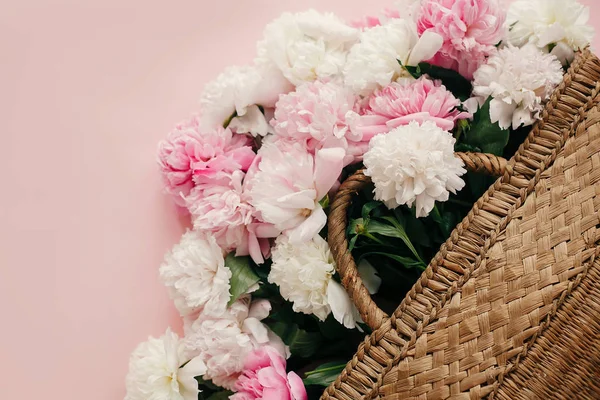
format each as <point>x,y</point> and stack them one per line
<point>87,89</point>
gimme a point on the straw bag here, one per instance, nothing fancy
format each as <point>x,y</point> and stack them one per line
<point>510,306</point>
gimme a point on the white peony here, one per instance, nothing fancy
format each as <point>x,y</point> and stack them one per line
<point>545,22</point>
<point>224,341</point>
<point>414,164</point>
<point>306,46</point>
<point>237,93</point>
<point>155,371</point>
<point>374,62</point>
<point>304,273</point>
<point>286,184</point>
<point>194,271</point>
<point>369,276</point>
<point>519,80</point>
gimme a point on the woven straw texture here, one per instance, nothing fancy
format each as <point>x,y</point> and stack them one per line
<point>510,306</point>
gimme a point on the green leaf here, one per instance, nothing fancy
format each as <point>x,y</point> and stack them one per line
<point>243,276</point>
<point>488,136</point>
<point>263,270</point>
<point>325,202</point>
<point>384,229</point>
<point>396,231</point>
<point>405,261</point>
<point>449,222</point>
<point>220,395</point>
<point>464,147</point>
<point>332,330</point>
<point>456,83</point>
<point>325,374</point>
<point>479,184</point>
<point>368,208</point>
<point>352,243</point>
<point>417,231</point>
<point>280,328</point>
<point>207,384</point>
<point>302,343</point>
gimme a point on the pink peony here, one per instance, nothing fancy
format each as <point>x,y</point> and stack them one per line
<point>222,210</point>
<point>402,102</point>
<point>319,115</point>
<point>286,183</point>
<point>471,30</point>
<point>264,378</point>
<point>190,156</point>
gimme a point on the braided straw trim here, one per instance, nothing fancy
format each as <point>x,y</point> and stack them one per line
<point>465,250</point>
<point>371,314</point>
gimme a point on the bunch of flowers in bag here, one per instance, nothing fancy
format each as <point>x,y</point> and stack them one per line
<point>264,313</point>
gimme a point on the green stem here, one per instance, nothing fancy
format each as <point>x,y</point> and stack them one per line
<point>333,368</point>
<point>373,238</point>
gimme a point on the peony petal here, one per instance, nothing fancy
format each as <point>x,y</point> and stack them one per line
<point>522,117</point>
<point>254,249</point>
<point>473,104</point>
<point>271,87</point>
<point>257,359</point>
<point>328,167</point>
<point>341,305</point>
<point>253,122</point>
<point>276,393</point>
<point>563,52</point>
<point>260,309</point>
<point>369,276</point>
<point>297,388</point>
<point>427,46</point>
<point>264,230</point>
<point>553,34</point>
<point>309,228</point>
<point>369,132</point>
<point>277,360</point>
<point>298,200</point>
<point>195,367</point>
<point>502,113</point>
<point>257,329</point>
<point>269,378</point>
<point>420,117</point>
<point>171,345</point>
<point>277,343</point>
<point>188,385</point>
<point>372,119</point>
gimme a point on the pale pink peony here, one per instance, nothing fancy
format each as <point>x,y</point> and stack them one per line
<point>190,156</point>
<point>319,115</point>
<point>402,102</point>
<point>370,21</point>
<point>471,30</point>
<point>223,210</point>
<point>264,378</point>
<point>286,183</point>
<point>223,342</point>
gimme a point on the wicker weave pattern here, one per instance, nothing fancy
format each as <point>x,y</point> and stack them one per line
<point>467,325</point>
<point>556,366</point>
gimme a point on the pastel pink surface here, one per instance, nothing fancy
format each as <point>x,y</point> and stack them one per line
<point>88,90</point>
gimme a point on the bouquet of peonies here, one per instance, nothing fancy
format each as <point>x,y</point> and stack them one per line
<point>265,316</point>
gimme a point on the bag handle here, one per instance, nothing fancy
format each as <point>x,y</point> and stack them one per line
<point>371,314</point>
